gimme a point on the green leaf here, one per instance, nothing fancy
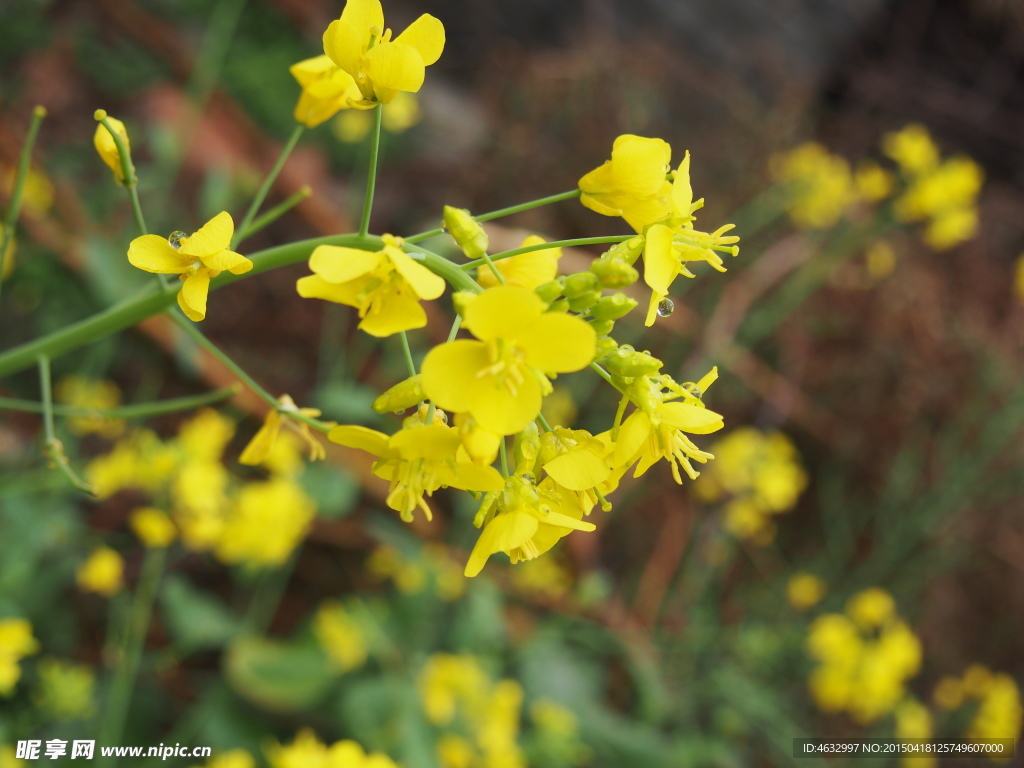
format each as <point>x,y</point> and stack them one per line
<point>196,620</point>
<point>278,676</point>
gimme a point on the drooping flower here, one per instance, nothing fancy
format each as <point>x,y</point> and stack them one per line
<point>501,379</point>
<point>195,259</point>
<point>527,270</point>
<point>106,147</point>
<point>360,45</point>
<point>633,183</point>
<point>385,286</point>
<point>326,89</point>
<point>262,444</point>
<point>417,460</point>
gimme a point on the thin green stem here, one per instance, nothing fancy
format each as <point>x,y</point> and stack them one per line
<point>449,270</point>
<point>275,213</point>
<point>545,246</point>
<point>131,653</point>
<point>544,422</point>
<point>266,597</point>
<point>407,353</point>
<point>244,228</point>
<point>140,221</point>
<point>53,448</point>
<point>503,453</point>
<point>24,161</point>
<point>494,270</point>
<point>455,328</point>
<point>605,375</point>
<point>371,178</point>
<point>135,411</point>
<point>502,212</point>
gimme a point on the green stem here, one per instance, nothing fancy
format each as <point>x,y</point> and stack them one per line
<point>494,270</point>
<point>605,375</point>
<point>407,352</point>
<point>135,640</point>
<point>270,588</point>
<point>24,161</point>
<point>136,411</point>
<point>455,327</point>
<point>53,448</point>
<point>371,178</point>
<point>544,422</point>
<point>275,213</point>
<point>574,193</point>
<point>545,246</point>
<point>243,230</point>
<point>449,270</point>
<point>140,222</point>
<point>503,453</point>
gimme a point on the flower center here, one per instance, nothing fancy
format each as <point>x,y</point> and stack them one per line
<point>506,365</point>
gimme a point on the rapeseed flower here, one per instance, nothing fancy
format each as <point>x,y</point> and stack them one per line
<point>500,380</point>
<point>819,185</point>
<point>102,572</point>
<point>16,642</point>
<point>307,751</point>
<point>106,147</point>
<point>361,45</point>
<point>912,149</point>
<point>385,286</point>
<point>804,590</point>
<point>341,637</point>
<point>261,447</point>
<point>418,459</point>
<point>85,393</point>
<point>265,523</point>
<point>154,527</point>
<point>633,184</point>
<point>195,259</point>
<point>326,89</point>
<point>65,690</point>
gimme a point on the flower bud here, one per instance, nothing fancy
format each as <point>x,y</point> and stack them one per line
<point>106,147</point>
<point>584,301</point>
<point>405,394</point>
<point>614,273</point>
<point>605,346</point>
<point>603,327</point>
<point>550,290</point>
<point>462,299</point>
<point>613,307</point>
<point>562,305</point>
<point>526,448</point>
<point>481,445</point>
<point>579,283</point>
<point>628,363</point>
<point>466,231</point>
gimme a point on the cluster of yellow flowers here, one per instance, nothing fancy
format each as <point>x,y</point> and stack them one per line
<point>65,689</point>
<point>341,636</point>
<point>307,751</point>
<point>760,475</point>
<point>85,393</point>
<point>433,568</point>
<point>16,642</point>
<point>865,657</point>
<point>479,717</point>
<point>998,713</point>
<point>194,497</point>
<point>822,188</point>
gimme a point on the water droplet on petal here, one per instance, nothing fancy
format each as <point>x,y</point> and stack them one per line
<point>666,307</point>
<point>177,238</point>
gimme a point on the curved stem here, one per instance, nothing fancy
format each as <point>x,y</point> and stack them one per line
<point>573,193</point>
<point>135,411</point>
<point>275,213</point>
<point>545,246</point>
<point>24,161</point>
<point>449,270</point>
<point>244,229</point>
<point>371,179</point>
<point>53,448</point>
<point>407,353</point>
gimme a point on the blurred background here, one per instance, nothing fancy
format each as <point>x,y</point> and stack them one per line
<point>856,568</point>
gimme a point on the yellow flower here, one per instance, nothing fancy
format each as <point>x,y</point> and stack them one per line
<point>418,459</point>
<point>820,185</point>
<point>65,690</point>
<point>999,714</point>
<point>401,114</point>
<point>804,590</point>
<point>872,182</point>
<point>195,259</point>
<point>107,149</point>
<point>261,447</point>
<point>385,286</point>
<point>37,194</point>
<point>912,148</point>
<point>501,379</point>
<point>359,43</point>
<point>306,751</point>
<point>633,183</point>
<point>325,89</point>
<point>80,392</point>
<point>102,572</point>
<point>267,522</point>
<point>524,521</point>
<point>340,636</point>
<point>447,681</point>
<point>527,270</point>
<point>914,721</point>
<point>871,608</point>
<point>153,527</point>
<point>16,642</point>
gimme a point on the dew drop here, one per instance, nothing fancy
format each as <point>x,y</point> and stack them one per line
<point>666,307</point>
<point>177,238</point>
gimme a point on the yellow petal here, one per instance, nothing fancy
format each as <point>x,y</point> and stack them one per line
<point>578,470</point>
<point>691,418</point>
<point>434,442</point>
<point>640,164</point>
<point>660,266</point>
<point>309,71</point>
<point>262,443</point>
<point>632,434</point>
<point>502,312</point>
<point>395,312</point>
<point>472,477</point>
<point>153,253</point>
<point>344,45</point>
<point>315,287</point>
<point>426,35</point>
<point>682,192</point>
<point>557,343</point>
<point>236,263</point>
<point>426,284</point>
<point>192,296</point>
<point>564,521</point>
<point>363,438</point>
<point>339,265</point>
<point>506,531</point>
<point>497,409</point>
<point>449,373</point>
<point>213,237</point>
<point>364,15</point>
<point>394,66</point>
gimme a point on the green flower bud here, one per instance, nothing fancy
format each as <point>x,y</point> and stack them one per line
<point>466,231</point>
<point>550,290</point>
<point>584,301</point>
<point>405,394</point>
<point>614,273</point>
<point>461,300</point>
<point>579,283</point>
<point>628,250</point>
<point>525,449</point>
<point>603,327</point>
<point>562,305</point>
<point>628,363</point>
<point>613,307</point>
<point>605,346</point>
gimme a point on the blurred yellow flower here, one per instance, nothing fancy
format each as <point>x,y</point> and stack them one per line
<point>265,524</point>
<point>196,259</point>
<point>881,259</point>
<point>386,286</point>
<point>820,185</point>
<point>398,116</point>
<point>233,758</point>
<point>872,182</point>
<point>153,527</point>
<point>16,642</point>
<point>102,572</point>
<point>805,590</point>
<point>871,608</point>
<point>360,44</point>
<point>1018,279</point>
<point>914,721</point>
<point>85,393</point>
<point>107,148</point>
<point>36,194</point>
<point>65,690</point>
<point>999,713</point>
<point>261,447</point>
<point>307,751</point>
<point>340,635</point>
<point>912,148</point>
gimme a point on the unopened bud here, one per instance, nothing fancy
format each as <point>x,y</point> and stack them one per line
<point>584,301</point>
<point>614,273</point>
<point>405,394</point>
<point>461,301</point>
<point>579,283</point>
<point>603,327</point>
<point>628,363</point>
<point>549,291</point>
<point>526,448</point>
<point>613,307</point>
<point>466,231</point>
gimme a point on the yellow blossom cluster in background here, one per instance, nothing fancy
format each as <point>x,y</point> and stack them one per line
<point>16,642</point>
<point>434,567</point>
<point>85,393</point>
<point>65,690</point>
<point>864,657</point>
<point>102,572</point>
<point>998,713</point>
<point>307,751</point>
<point>341,636</point>
<point>757,475</point>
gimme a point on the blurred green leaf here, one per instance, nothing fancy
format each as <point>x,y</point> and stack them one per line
<point>277,675</point>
